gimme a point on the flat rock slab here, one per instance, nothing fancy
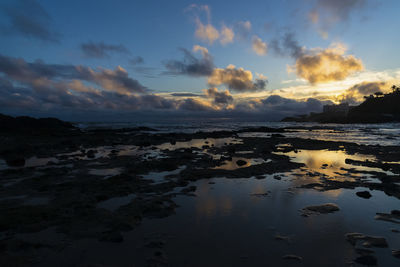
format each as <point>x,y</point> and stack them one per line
<point>396,253</point>
<point>393,216</point>
<point>320,209</point>
<point>364,194</point>
<point>292,257</point>
<point>367,241</point>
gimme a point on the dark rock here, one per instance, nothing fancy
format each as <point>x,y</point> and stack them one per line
<point>155,244</point>
<point>241,162</point>
<point>364,194</point>
<point>368,241</point>
<point>292,257</point>
<point>91,153</point>
<point>392,217</point>
<point>112,236</point>
<point>15,162</point>
<point>31,125</point>
<point>395,212</point>
<point>324,208</point>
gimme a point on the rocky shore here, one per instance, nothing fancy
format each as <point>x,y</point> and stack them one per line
<point>101,183</point>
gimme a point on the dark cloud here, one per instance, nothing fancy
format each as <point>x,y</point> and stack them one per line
<point>136,60</point>
<point>39,74</point>
<point>186,95</point>
<point>102,50</point>
<point>356,93</point>
<point>190,65</point>
<point>287,45</point>
<point>220,98</point>
<point>278,107</point>
<point>50,88</point>
<point>327,13</point>
<point>237,79</point>
<point>29,19</point>
<point>41,86</point>
<point>192,104</point>
<point>243,30</point>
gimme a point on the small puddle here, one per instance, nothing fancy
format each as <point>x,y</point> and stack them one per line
<point>159,177</point>
<point>230,165</point>
<point>107,173</point>
<point>114,203</point>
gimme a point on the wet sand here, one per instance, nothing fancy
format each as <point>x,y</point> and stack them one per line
<point>249,197</point>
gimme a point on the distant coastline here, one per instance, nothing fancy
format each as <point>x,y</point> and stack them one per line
<point>377,108</point>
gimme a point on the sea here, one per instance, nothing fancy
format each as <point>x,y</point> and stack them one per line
<point>385,134</point>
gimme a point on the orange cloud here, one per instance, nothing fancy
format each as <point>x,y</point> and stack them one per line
<point>259,47</point>
<point>326,65</point>
<point>237,79</point>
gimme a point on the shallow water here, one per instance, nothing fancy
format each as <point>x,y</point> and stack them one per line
<point>232,164</point>
<point>234,222</point>
<point>331,163</point>
<point>114,203</point>
<point>253,222</point>
<point>227,225</point>
<point>372,134</point>
<point>159,177</point>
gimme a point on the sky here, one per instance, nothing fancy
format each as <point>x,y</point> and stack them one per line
<point>145,59</point>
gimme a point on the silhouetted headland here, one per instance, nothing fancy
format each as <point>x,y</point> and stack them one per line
<point>377,108</point>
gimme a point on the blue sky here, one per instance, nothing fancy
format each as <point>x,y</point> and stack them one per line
<point>355,41</point>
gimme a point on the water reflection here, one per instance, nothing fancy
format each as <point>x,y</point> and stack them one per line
<point>107,173</point>
<point>238,162</point>
<point>159,177</point>
<point>331,163</point>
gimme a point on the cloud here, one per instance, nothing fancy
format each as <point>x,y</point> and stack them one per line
<point>186,95</point>
<point>243,29</point>
<point>275,107</point>
<point>29,19</point>
<point>317,65</point>
<point>259,47</point>
<point>220,98</point>
<point>237,79</point>
<point>287,46</point>
<point>326,65</point>
<point>136,60</point>
<point>116,80</point>
<point>40,75</point>
<point>192,104</point>
<point>191,65</point>
<point>356,93</point>
<point>102,50</point>
<point>327,13</point>
<point>227,35</point>
<point>206,32</point>
<point>49,88</point>
<point>41,86</point>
